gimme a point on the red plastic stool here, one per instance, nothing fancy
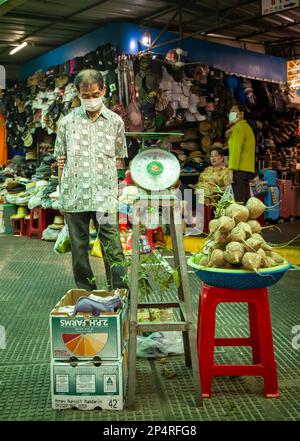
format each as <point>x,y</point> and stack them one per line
<point>36,226</point>
<point>260,338</point>
<point>150,235</point>
<point>18,226</point>
<point>208,215</point>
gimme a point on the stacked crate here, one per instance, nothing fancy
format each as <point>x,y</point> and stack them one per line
<point>88,355</point>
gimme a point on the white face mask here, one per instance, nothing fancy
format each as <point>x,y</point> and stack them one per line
<point>232,117</point>
<point>92,104</point>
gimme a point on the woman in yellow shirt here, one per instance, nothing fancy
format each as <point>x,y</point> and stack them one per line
<point>215,177</point>
<point>241,145</point>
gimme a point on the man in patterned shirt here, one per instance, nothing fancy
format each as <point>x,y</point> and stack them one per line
<point>90,145</point>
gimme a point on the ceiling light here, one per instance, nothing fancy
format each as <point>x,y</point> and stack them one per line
<point>146,40</point>
<point>132,45</point>
<point>18,48</point>
<point>286,18</point>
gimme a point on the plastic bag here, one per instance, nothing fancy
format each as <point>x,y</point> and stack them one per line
<point>96,250</point>
<point>228,194</point>
<point>258,187</point>
<point>63,243</point>
<point>50,234</point>
<point>160,344</point>
<point>148,347</point>
<point>34,202</point>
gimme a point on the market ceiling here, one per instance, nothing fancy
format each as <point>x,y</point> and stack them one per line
<point>47,24</point>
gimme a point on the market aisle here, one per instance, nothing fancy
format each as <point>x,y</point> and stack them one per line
<point>33,278</point>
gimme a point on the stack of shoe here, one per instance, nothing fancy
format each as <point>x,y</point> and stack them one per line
<point>37,194</point>
<point>44,170</point>
<point>13,189</point>
<point>23,198</point>
<point>47,201</point>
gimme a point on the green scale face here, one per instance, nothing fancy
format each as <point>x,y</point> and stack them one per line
<point>155,169</point>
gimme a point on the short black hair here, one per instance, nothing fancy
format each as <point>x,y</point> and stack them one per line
<point>217,149</point>
<point>241,107</point>
<point>88,77</point>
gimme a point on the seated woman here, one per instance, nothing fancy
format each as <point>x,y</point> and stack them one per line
<point>215,177</point>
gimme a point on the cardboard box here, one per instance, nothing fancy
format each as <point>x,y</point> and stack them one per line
<point>85,336</point>
<point>86,386</point>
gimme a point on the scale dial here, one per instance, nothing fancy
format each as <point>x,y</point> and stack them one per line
<point>155,169</point>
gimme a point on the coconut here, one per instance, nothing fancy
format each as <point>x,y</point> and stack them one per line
<point>213,225</point>
<point>252,244</point>
<point>229,266</point>
<point>276,257</point>
<point>238,234</point>
<point>234,253</point>
<point>237,212</point>
<point>226,224</point>
<point>262,253</point>
<point>246,228</point>
<point>268,262</point>
<point>203,261</point>
<point>256,208</point>
<point>221,238</point>
<point>255,226</point>
<point>251,261</point>
<point>258,237</point>
<point>217,259</point>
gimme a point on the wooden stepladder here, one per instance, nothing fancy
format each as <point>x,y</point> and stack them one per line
<point>184,303</point>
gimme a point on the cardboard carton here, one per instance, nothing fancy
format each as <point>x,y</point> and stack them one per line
<point>85,336</point>
<point>86,385</point>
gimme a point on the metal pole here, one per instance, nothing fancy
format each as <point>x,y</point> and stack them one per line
<point>163,31</point>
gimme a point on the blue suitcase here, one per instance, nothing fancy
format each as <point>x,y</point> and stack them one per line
<point>272,198</point>
<point>270,177</point>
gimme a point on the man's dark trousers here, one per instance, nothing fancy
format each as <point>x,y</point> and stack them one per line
<point>108,233</point>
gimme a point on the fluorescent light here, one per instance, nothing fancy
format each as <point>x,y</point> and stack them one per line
<point>18,48</point>
<point>286,18</point>
<point>146,40</point>
<point>132,45</point>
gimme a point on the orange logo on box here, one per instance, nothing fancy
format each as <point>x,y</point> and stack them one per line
<point>85,345</point>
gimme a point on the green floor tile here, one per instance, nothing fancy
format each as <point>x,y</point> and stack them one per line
<point>33,278</point>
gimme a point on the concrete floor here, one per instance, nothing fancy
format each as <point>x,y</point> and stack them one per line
<point>33,278</point>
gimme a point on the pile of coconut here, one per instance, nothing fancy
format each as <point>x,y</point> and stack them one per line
<point>235,240</point>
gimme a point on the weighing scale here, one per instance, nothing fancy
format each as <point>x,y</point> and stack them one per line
<point>156,170</point>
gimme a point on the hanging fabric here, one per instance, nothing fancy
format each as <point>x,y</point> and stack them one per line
<point>3,146</point>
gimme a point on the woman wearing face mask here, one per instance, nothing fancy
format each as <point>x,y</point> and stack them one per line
<point>90,145</point>
<point>241,145</point>
<point>214,177</point>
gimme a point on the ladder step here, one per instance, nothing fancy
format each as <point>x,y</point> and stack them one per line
<point>159,305</point>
